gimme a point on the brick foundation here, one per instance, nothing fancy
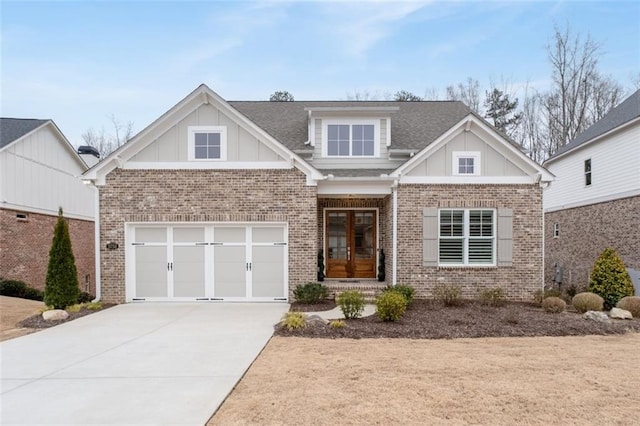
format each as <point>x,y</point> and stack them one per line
<point>518,280</point>
<point>25,245</point>
<point>585,232</point>
<point>207,196</point>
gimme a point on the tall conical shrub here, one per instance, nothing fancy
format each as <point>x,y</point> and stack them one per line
<point>609,278</point>
<point>61,289</point>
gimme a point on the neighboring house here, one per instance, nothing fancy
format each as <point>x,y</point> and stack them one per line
<point>220,200</point>
<point>39,172</point>
<point>595,201</point>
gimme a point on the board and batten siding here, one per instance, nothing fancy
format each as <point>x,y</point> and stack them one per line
<point>492,162</point>
<point>172,145</point>
<point>381,162</point>
<point>39,173</point>
<point>615,171</point>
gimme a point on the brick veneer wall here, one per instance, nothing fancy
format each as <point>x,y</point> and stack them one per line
<point>518,280</point>
<point>206,196</point>
<point>25,245</point>
<point>585,232</point>
<point>360,203</point>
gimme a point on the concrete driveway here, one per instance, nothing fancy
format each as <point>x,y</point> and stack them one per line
<point>151,363</point>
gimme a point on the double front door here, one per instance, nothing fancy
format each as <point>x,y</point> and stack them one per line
<point>351,237</point>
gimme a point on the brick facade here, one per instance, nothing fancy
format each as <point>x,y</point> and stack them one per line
<point>585,232</point>
<point>207,196</point>
<point>518,280</point>
<point>25,245</point>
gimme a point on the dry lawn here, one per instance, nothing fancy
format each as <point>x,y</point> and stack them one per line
<point>497,381</point>
<point>14,310</point>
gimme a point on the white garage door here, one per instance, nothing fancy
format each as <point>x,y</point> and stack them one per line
<point>207,262</point>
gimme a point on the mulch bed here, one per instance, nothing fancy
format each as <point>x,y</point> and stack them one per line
<point>325,305</point>
<point>36,321</point>
<point>426,319</point>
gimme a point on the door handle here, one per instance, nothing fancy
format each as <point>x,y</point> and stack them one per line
<point>348,253</point>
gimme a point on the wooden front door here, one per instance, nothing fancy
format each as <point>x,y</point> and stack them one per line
<point>350,242</point>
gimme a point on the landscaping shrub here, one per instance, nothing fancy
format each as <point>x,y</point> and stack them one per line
<point>310,293</point>
<point>448,294</point>
<point>74,308</point>
<point>391,305</point>
<point>571,291</point>
<point>337,324</point>
<point>351,303</point>
<point>631,304</point>
<point>61,289</point>
<point>553,305</point>
<point>586,301</point>
<point>610,279</point>
<point>539,295</point>
<point>16,288</point>
<point>294,320</point>
<point>94,306</point>
<point>85,297</point>
<point>405,290</point>
<point>493,296</point>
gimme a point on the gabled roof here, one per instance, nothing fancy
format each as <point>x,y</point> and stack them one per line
<point>12,129</point>
<point>414,125</point>
<point>623,113</point>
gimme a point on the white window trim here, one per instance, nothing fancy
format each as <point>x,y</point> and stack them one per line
<point>589,173</point>
<point>222,130</point>
<point>556,230</point>
<point>465,237</point>
<point>465,154</point>
<point>351,122</point>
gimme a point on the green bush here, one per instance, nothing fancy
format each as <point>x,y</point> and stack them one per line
<point>310,293</point>
<point>391,306</point>
<point>553,305</point>
<point>448,294</point>
<point>61,289</point>
<point>85,297</point>
<point>405,290</point>
<point>610,279</point>
<point>539,295</point>
<point>631,304</point>
<point>493,296</point>
<point>16,288</point>
<point>294,320</point>
<point>351,303</point>
<point>586,301</point>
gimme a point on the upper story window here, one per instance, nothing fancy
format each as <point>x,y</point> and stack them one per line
<point>466,163</point>
<point>207,143</point>
<point>587,172</point>
<point>351,139</point>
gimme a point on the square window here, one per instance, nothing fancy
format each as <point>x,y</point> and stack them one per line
<point>207,143</point>
<point>466,163</point>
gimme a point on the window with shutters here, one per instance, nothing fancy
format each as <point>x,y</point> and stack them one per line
<point>466,237</point>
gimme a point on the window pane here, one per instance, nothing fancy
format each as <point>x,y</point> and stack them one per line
<point>481,250</point>
<point>368,132</point>
<point>358,132</point>
<point>451,223</point>
<point>481,223</point>
<point>214,139</point>
<point>368,147</point>
<point>451,251</point>
<point>332,147</point>
<point>357,147</point>
<point>332,132</point>
<point>200,139</point>
<point>466,165</point>
<point>214,152</point>
<point>201,152</point>
<point>344,147</point>
<point>338,139</point>
<point>344,132</point>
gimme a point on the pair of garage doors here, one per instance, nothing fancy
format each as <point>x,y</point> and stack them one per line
<point>207,262</point>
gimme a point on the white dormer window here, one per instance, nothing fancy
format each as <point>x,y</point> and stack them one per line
<point>207,143</point>
<point>351,139</point>
<point>466,163</point>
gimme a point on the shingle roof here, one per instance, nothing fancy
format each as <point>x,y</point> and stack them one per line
<point>14,128</point>
<point>414,126</point>
<point>623,113</point>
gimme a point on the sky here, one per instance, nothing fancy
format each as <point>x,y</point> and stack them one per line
<point>82,62</point>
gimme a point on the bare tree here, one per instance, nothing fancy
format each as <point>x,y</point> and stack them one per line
<point>105,142</point>
<point>468,92</point>
<point>579,95</point>
<point>281,96</point>
<point>531,130</point>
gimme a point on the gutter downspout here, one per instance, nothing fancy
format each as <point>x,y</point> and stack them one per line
<point>96,229</point>
<point>394,268</point>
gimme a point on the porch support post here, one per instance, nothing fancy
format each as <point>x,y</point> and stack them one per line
<point>394,261</point>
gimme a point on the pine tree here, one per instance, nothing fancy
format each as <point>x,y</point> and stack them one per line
<point>501,110</point>
<point>61,289</point>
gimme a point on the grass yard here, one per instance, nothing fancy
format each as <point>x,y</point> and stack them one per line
<point>497,381</point>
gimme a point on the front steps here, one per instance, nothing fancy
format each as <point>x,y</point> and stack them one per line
<point>369,288</point>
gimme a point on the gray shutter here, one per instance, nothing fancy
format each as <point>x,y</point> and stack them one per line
<point>430,236</point>
<point>505,237</point>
